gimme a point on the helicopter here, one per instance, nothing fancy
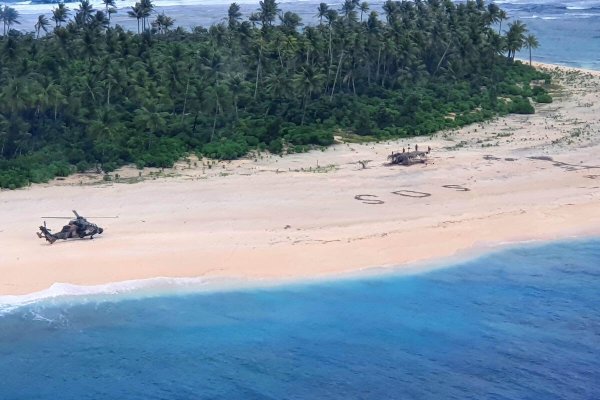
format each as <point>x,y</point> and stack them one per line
<point>78,227</point>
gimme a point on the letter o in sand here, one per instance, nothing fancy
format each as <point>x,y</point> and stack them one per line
<point>362,197</point>
<point>458,188</point>
<point>411,193</point>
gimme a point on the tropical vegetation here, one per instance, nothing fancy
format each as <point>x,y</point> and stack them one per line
<point>79,93</point>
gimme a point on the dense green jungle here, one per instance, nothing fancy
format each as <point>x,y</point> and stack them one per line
<point>79,94</point>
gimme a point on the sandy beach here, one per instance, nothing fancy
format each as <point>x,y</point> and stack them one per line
<point>518,178</point>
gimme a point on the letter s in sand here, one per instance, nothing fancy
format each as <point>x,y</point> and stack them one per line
<point>362,197</point>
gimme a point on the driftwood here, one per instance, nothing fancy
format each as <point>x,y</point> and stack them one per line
<point>408,158</point>
<point>363,163</point>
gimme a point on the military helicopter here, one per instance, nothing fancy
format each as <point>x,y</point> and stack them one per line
<point>78,227</point>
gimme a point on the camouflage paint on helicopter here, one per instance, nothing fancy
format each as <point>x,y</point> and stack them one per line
<point>78,227</point>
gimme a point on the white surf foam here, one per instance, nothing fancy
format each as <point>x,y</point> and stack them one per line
<point>64,292</point>
<point>68,293</point>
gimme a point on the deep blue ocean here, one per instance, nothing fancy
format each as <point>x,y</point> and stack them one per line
<point>522,323</point>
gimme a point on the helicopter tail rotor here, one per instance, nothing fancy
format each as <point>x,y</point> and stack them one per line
<point>46,234</point>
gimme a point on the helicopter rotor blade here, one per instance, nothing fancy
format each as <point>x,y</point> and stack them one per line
<point>81,217</point>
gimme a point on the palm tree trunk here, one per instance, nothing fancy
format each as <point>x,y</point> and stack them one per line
<point>378,63</point>
<point>90,90</point>
<point>214,123</point>
<point>441,59</point>
<point>330,49</point>
<point>257,73</point>
<point>530,56</point>
<point>108,95</point>
<point>217,106</point>
<point>304,100</point>
<point>187,87</point>
<point>385,71</point>
<point>336,75</point>
<point>280,59</point>
<point>330,59</point>
<point>195,123</point>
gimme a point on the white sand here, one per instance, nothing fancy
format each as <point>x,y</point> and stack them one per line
<point>279,218</point>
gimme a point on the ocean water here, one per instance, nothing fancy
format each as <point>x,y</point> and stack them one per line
<point>522,323</point>
<point>568,31</point>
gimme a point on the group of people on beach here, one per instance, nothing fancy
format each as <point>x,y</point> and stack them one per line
<point>416,149</point>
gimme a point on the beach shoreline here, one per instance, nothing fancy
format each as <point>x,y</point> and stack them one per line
<point>320,214</point>
<point>65,293</point>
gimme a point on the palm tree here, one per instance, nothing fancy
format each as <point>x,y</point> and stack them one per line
<point>15,95</point>
<point>309,81</point>
<point>348,10</point>
<point>147,9</point>
<point>100,20</point>
<point>267,12</point>
<point>277,85</point>
<point>290,22</point>
<point>515,38</point>
<point>85,13</point>
<point>233,16</point>
<point>162,23</point>
<point>60,14</point>
<point>531,42</point>
<point>137,13</point>
<point>58,98</point>
<point>41,24</point>
<point>364,8</point>
<point>331,18</point>
<point>151,120</point>
<point>391,10</point>
<point>235,84</point>
<point>322,11</point>
<point>110,7</point>
<point>501,17</point>
<point>493,13</point>
<point>10,17</point>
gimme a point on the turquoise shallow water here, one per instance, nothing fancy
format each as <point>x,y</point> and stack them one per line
<point>518,324</point>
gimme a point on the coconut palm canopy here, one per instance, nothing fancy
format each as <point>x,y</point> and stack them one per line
<point>89,94</point>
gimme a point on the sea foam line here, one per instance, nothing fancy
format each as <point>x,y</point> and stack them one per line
<point>64,293</point>
<point>60,292</point>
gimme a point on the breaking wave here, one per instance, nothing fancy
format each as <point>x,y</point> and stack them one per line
<point>139,288</point>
